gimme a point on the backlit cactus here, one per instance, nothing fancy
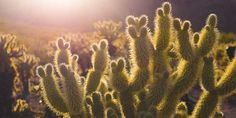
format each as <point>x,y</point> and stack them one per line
<point>65,94</point>
<point>9,50</point>
<point>214,91</point>
<point>149,86</point>
<point>100,60</point>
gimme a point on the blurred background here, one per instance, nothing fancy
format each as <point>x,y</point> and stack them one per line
<point>30,28</point>
<point>78,15</point>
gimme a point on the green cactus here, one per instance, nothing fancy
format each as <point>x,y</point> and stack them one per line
<point>150,86</point>
<point>50,89</point>
<point>162,37</point>
<point>208,35</point>
<point>189,66</point>
<point>97,105</point>
<point>140,52</point>
<point>112,103</point>
<point>161,67</point>
<point>214,91</point>
<point>120,82</point>
<point>66,94</point>
<point>100,60</point>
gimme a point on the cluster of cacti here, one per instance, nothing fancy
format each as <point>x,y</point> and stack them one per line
<point>16,75</point>
<point>84,51</point>
<point>151,87</point>
<point>109,30</point>
<point>73,86</point>
<point>25,67</point>
<point>9,49</point>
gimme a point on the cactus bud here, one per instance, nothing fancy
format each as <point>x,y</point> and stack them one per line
<point>166,7</point>
<point>143,20</point>
<point>177,24</point>
<point>212,20</point>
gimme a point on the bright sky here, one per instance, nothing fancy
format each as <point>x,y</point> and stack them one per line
<point>63,11</point>
<point>77,14</point>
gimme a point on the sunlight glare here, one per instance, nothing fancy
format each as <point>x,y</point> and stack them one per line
<point>59,5</point>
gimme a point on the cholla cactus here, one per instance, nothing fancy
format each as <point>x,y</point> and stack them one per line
<point>26,67</point>
<point>9,49</point>
<point>112,32</point>
<point>151,88</point>
<point>214,91</point>
<point>100,60</point>
<point>65,94</point>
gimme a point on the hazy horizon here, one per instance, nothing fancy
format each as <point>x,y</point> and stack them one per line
<point>82,13</point>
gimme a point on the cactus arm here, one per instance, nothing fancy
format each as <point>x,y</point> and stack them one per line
<point>158,89</point>
<point>100,60</point>
<point>119,81</point>
<point>119,77</point>
<point>185,80</point>
<point>50,90</point>
<point>62,54</point>
<point>206,105</point>
<point>96,103</point>
<point>213,95</point>
<point>140,52</point>
<point>112,103</point>
<point>208,80</point>
<point>74,95</point>
<point>127,103</point>
<point>184,45</point>
<point>208,36</point>
<point>163,22</point>
<point>227,84</point>
<point>162,37</point>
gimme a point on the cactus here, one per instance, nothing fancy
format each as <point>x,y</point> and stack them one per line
<point>97,105</point>
<point>9,50</point>
<point>140,61</point>
<point>65,93</point>
<point>190,65</point>
<point>112,32</point>
<point>100,60</point>
<point>149,86</point>
<point>25,66</point>
<point>214,91</point>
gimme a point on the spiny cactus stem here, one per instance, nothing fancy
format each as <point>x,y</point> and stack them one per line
<point>206,106</point>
